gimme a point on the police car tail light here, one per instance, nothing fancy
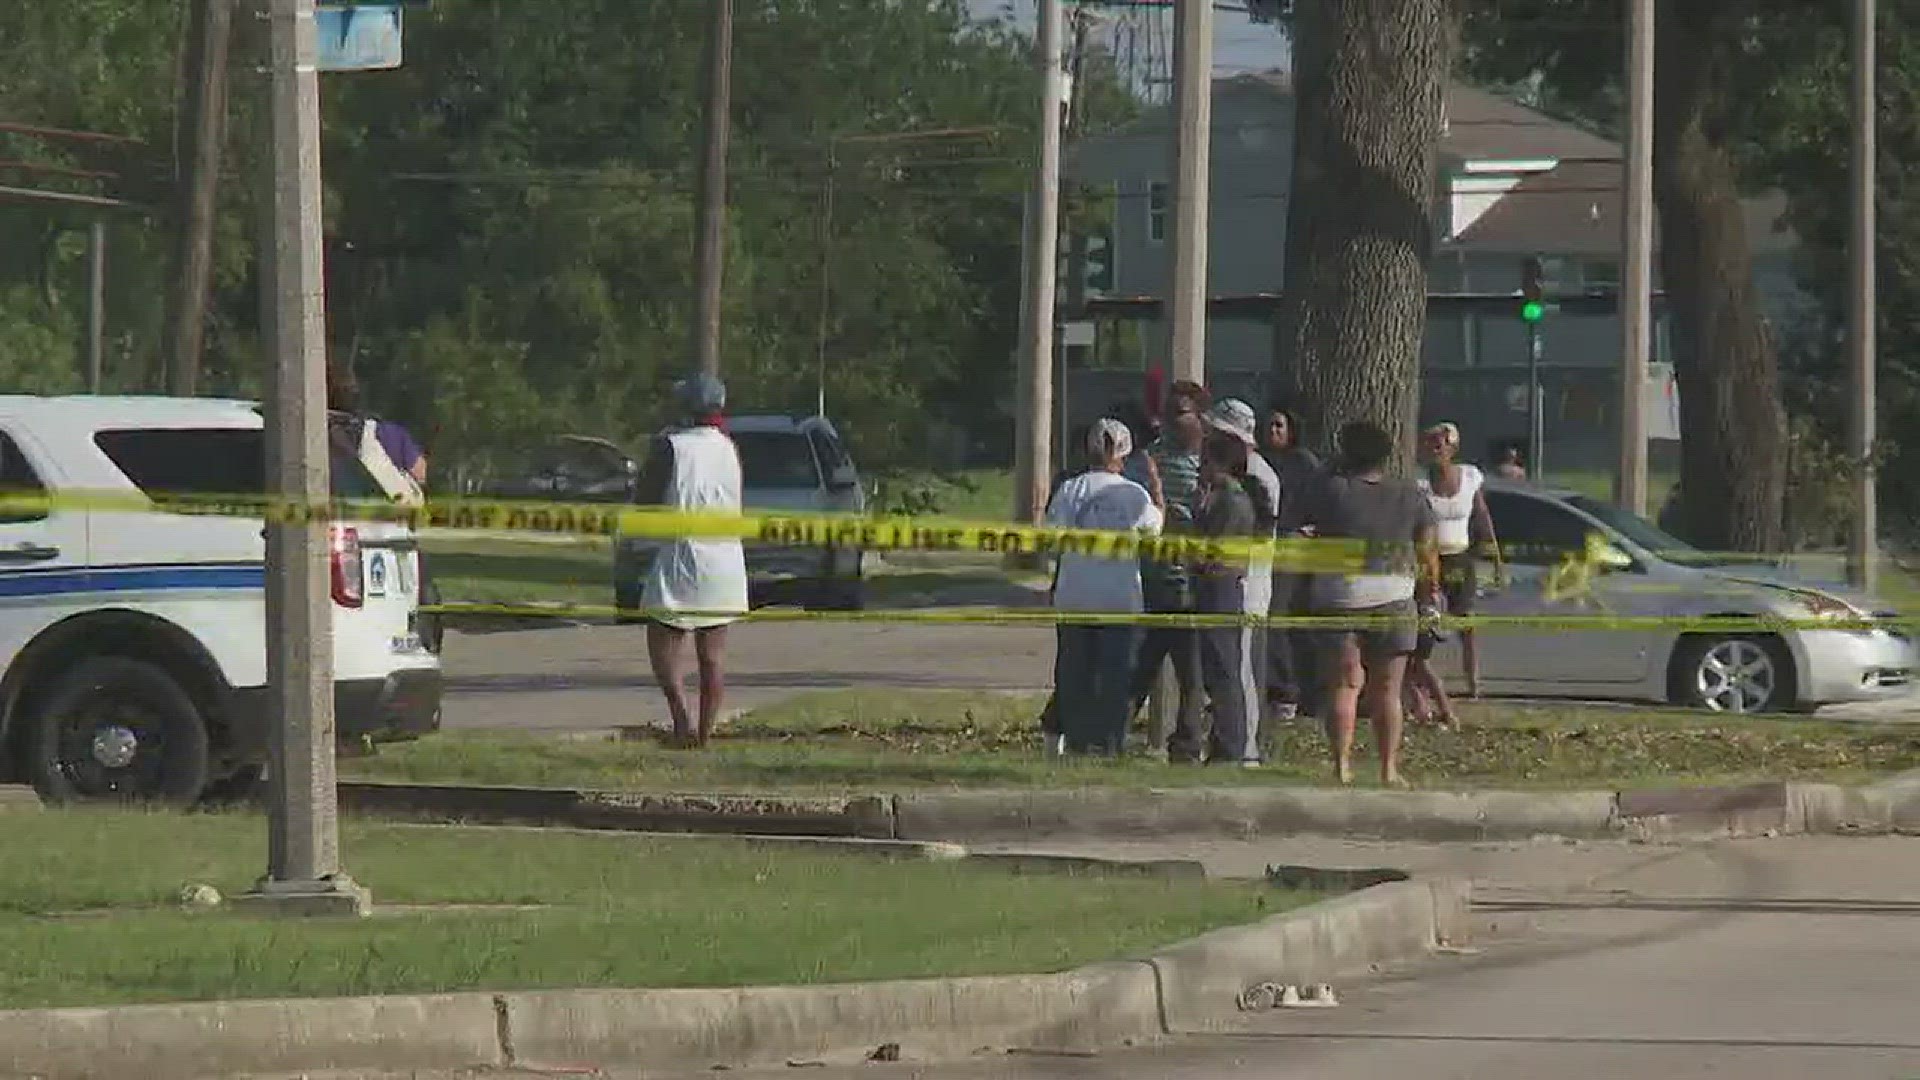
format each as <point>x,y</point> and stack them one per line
<point>343,560</point>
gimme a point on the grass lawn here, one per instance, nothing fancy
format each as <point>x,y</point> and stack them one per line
<point>86,914</point>
<point>508,573</point>
<point>833,741</point>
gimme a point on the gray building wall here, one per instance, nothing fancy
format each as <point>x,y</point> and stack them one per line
<point>1474,366</point>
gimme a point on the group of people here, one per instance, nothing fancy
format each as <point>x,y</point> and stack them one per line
<point>1193,466</point>
<point>1179,463</point>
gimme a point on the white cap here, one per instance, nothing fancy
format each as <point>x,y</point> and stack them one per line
<point>1105,431</point>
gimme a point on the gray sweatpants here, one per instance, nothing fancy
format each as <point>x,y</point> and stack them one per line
<point>1229,670</point>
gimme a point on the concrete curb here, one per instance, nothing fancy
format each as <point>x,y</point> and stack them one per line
<point>232,1038</point>
<point>1192,985</point>
<point>19,798</point>
<point>868,816</point>
<point>1025,815</point>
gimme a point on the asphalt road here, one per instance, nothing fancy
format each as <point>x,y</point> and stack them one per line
<point>582,678</point>
<point>1763,960</point>
<point>585,678</point>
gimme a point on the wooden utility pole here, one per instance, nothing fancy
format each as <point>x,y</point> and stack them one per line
<point>1032,441</point>
<point>96,302</point>
<point>1862,538</point>
<point>203,129</point>
<point>715,129</point>
<point>1192,143</point>
<point>1636,265</point>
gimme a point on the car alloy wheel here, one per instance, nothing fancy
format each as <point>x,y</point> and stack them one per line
<point>1737,675</point>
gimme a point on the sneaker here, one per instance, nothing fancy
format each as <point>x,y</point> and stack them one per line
<point>1284,711</point>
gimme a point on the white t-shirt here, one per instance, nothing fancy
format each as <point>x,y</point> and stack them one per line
<point>1100,500</point>
<point>1453,514</point>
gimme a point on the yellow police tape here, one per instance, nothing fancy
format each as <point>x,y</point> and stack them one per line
<point>786,529</point>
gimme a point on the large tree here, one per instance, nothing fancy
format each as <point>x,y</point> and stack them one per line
<point>1368,79</point>
<point>1714,60</point>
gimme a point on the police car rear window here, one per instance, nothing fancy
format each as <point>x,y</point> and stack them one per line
<point>212,461</point>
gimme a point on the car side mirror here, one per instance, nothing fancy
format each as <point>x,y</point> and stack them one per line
<point>843,477</point>
<point>1611,558</point>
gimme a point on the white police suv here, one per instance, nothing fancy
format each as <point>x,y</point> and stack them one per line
<point>133,640</point>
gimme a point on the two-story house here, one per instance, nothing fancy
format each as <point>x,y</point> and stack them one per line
<point>1514,183</point>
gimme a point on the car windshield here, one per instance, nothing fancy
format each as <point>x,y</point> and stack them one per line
<point>771,459</point>
<point>1639,530</point>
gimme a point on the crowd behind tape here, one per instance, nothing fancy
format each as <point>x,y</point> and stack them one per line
<point>1568,577</point>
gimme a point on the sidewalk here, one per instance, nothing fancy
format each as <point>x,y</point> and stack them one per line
<point>1728,986</point>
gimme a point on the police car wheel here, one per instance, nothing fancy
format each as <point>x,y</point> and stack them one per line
<point>115,730</point>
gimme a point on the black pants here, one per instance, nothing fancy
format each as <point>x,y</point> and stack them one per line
<point>1289,650</point>
<point>1180,645</point>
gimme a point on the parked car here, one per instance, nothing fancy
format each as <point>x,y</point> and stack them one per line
<point>1649,573</point>
<point>571,468</point>
<point>134,640</point>
<point>787,463</point>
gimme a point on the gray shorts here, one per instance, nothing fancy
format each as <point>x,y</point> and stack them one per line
<point>1385,631</point>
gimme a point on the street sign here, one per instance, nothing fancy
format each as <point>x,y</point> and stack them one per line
<point>358,37</point>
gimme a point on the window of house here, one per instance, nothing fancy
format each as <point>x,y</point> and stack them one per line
<point>1600,274</point>
<point>1157,212</point>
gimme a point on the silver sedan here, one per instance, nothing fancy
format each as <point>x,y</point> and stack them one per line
<point>1642,577</point>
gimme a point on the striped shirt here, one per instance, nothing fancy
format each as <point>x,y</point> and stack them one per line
<point>1179,479</point>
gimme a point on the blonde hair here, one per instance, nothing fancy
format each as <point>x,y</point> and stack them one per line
<point>1447,432</point>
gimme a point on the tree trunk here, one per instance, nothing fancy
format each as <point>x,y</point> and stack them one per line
<point>1368,81</point>
<point>1733,450</point>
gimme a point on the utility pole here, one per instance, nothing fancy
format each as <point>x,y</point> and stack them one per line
<point>1536,423</point>
<point>1862,538</point>
<point>204,126</point>
<point>1035,386</point>
<point>96,302</point>
<point>715,128</point>
<point>1636,264</point>
<point>303,851</point>
<point>1192,143</point>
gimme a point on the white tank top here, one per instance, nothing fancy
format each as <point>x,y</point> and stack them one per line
<point>707,576</point>
<point>1453,514</point>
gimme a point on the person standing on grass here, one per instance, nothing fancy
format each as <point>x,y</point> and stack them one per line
<point>1457,494</point>
<point>1050,713</point>
<point>1228,508</point>
<point>1096,656</point>
<point>1235,418</point>
<point>1289,652</point>
<point>1167,585</point>
<point>1366,660</point>
<point>697,587</point>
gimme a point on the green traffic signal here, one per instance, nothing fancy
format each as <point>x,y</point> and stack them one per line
<point>1532,310</point>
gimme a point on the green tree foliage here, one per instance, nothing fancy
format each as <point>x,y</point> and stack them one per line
<point>1806,115</point>
<point>509,215</point>
<point>1714,60</point>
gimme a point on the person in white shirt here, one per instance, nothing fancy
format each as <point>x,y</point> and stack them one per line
<point>697,586</point>
<point>1095,665</point>
<point>1456,492</point>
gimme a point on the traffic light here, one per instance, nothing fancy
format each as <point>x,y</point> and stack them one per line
<point>1533,302</point>
<point>1099,264</point>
